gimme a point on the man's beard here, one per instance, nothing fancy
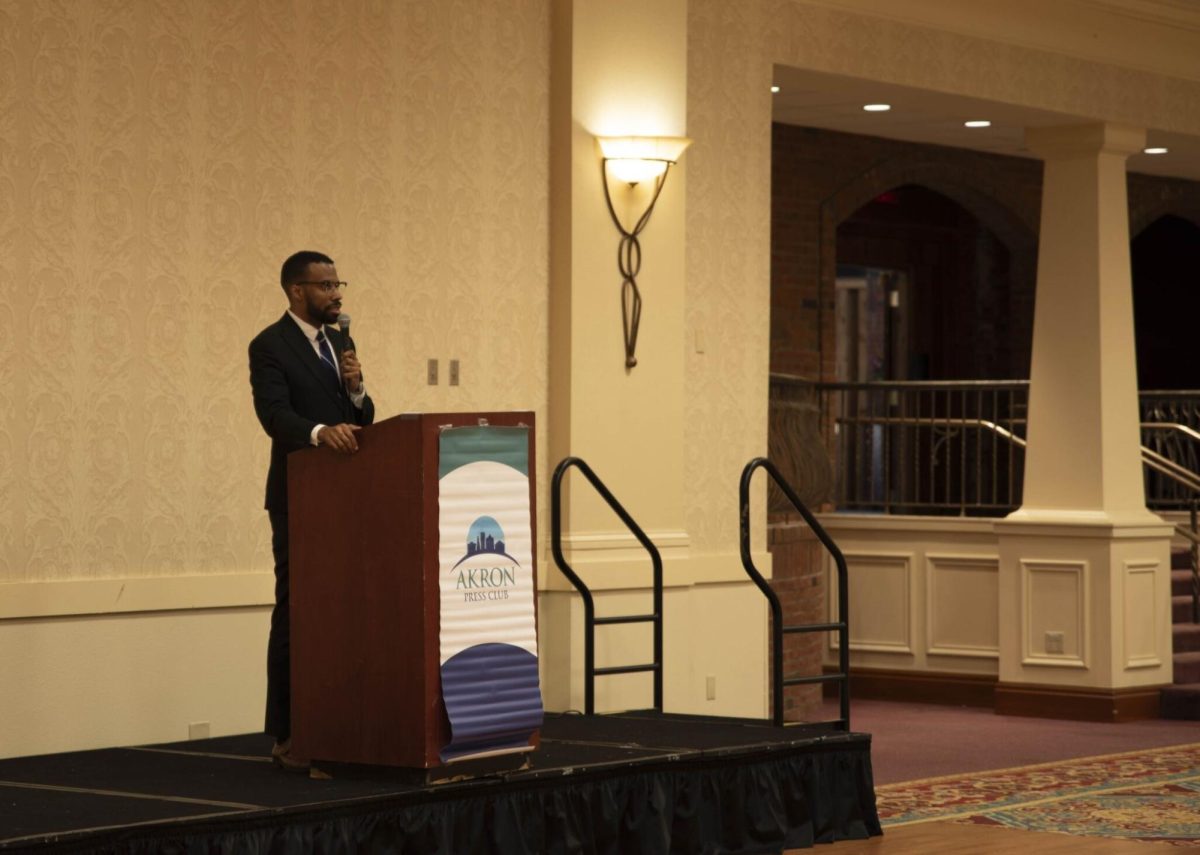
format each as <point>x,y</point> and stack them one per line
<point>326,314</point>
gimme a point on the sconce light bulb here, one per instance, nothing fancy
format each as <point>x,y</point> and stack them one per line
<point>635,170</point>
<point>643,148</point>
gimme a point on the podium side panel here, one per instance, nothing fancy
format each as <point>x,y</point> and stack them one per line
<point>358,634</point>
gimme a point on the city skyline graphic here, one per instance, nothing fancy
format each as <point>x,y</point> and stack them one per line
<point>485,537</point>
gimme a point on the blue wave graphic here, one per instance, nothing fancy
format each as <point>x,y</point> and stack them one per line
<point>492,697</point>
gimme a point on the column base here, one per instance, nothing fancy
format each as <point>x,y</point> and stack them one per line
<point>1085,615</point>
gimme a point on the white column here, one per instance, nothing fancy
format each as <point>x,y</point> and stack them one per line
<point>627,73</point>
<point>619,68</point>
<point>1084,588</point>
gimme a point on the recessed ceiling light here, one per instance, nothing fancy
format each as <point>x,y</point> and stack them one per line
<point>877,108</point>
<point>774,88</point>
<point>978,123</point>
<point>1155,150</point>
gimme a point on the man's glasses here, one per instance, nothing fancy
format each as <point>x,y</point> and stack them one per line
<point>328,286</point>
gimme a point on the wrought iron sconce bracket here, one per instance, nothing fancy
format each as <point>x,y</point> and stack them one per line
<point>631,160</point>
<point>629,258</point>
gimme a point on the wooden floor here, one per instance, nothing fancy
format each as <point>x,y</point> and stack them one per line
<point>950,838</point>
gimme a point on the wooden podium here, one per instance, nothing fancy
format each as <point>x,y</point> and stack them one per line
<point>365,615</point>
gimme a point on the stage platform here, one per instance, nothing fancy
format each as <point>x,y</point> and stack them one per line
<point>629,783</point>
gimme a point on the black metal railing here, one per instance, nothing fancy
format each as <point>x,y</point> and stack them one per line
<point>933,447</point>
<point>590,621</point>
<point>778,628</point>
<point>955,447</point>
<point>1171,430</point>
<point>952,447</point>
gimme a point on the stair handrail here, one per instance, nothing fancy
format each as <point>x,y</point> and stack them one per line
<point>1174,426</point>
<point>1191,481</point>
<point>1158,462</point>
<point>1001,431</point>
<point>590,621</point>
<point>841,626</point>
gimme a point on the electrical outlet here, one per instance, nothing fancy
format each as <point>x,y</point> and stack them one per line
<point>432,372</point>
<point>453,372</point>
<point>710,688</point>
<point>1054,642</point>
<point>198,730</point>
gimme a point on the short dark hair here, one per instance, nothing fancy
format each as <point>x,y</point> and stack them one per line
<point>296,265</point>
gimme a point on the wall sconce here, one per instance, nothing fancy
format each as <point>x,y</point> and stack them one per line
<point>632,160</point>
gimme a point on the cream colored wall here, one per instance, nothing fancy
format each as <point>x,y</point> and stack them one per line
<point>714,637</point>
<point>929,595</point>
<point>923,593</point>
<point>728,266</point>
<point>1022,52</point>
<point>1134,35</point>
<point>127,679</point>
<point>626,423</point>
<point>625,68</point>
<point>158,161</point>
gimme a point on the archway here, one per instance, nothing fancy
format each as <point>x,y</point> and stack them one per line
<point>1165,265</point>
<point>955,303</point>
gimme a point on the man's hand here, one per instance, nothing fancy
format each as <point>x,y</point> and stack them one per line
<point>351,371</point>
<point>340,438</point>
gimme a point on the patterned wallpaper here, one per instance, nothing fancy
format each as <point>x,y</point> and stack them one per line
<point>728,264</point>
<point>159,159</point>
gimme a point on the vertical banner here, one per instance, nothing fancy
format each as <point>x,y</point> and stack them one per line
<point>488,638</point>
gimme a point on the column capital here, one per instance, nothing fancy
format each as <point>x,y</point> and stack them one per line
<point>1070,141</point>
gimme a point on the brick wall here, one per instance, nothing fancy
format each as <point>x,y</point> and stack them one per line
<point>820,178</point>
<point>799,580</point>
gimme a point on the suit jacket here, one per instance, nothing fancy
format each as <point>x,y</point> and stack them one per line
<point>293,393</point>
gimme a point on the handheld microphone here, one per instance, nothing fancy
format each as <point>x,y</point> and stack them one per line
<point>344,326</point>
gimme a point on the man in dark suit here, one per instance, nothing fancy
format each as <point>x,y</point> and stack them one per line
<point>308,391</point>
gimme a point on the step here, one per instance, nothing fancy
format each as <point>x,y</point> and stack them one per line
<point>1181,559</point>
<point>1187,667</point>
<point>1181,702</point>
<point>1185,637</point>
<point>1181,582</point>
<point>1181,609</point>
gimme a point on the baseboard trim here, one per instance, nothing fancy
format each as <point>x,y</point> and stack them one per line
<point>1078,704</point>
<point>924,687</point>
<point>972,690</point>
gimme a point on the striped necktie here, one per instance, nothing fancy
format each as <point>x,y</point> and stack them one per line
<point>327,355</point>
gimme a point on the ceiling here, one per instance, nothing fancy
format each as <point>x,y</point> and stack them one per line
<point>818,100</point>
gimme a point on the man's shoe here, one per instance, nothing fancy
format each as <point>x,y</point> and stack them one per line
<point>286,759</point>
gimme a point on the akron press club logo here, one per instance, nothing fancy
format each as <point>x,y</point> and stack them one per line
<point>490,571</point>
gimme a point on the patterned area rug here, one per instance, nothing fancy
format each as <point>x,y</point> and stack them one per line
<point>1143,795</point>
